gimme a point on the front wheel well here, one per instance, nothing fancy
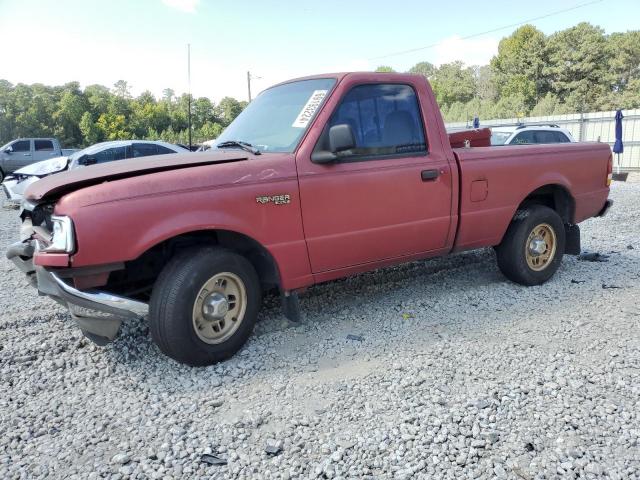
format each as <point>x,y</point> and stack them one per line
<point>555,197</point>
<point>137,278</point>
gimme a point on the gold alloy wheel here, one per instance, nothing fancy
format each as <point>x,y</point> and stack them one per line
<point>540,247</point>
<point>219,308</point>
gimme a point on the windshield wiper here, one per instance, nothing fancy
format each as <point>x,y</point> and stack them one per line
<point>238,143</point>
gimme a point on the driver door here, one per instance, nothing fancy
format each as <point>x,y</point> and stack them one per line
<point>21,156</point>
<point>386,198</point>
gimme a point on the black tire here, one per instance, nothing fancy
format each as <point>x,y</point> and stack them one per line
<point>512,252</point>
<point>174,296</point>
<point>1,176</point>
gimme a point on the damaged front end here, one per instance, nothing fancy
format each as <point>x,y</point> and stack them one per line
<point>44,253</point>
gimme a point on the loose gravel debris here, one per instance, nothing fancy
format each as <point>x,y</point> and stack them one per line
<point>593,257</point>
<point>213,460</point>
<point>460,374</point>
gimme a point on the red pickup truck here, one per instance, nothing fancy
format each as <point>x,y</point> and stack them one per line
<point>318,178</point>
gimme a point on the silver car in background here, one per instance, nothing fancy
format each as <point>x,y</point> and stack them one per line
<point>15,184</point>
<point>530,135</point>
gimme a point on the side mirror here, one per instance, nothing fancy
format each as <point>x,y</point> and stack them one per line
<point>9,149</point>
<point>87,161</point>
<point>341,138</point>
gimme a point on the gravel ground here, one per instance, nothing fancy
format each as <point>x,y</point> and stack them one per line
<point>453,372</point>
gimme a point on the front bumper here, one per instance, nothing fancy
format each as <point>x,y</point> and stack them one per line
<point>98,314</point>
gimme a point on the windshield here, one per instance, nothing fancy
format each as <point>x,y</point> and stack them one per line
<point>277,118</point>
<point>499,138</point>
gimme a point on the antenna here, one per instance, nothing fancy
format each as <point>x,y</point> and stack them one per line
<point>189,85</point>
<point>249,78</point>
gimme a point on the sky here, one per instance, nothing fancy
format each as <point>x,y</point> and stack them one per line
<point>145,41</point>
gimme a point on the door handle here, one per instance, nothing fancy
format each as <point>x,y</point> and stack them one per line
<point>429,175</point>
<point>27,154</point>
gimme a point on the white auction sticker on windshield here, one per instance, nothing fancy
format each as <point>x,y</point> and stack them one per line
<point>306,114</point>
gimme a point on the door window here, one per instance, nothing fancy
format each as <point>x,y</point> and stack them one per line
<point>111,154</point>
<point>22,146</point>
<point>162,150</point>
<point>43,145</point>
<point>385,120</point>
<point>144,149</point>
<point>524,138</point>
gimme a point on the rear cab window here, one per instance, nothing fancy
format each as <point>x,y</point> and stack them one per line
<point>43,145</point>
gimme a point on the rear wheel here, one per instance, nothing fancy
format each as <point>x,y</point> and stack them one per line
<point>532,248</point>
<point>204,305</point>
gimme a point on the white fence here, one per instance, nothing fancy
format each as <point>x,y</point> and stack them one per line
<point>588,127</point>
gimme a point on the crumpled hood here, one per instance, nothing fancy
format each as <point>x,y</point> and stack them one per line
<point>65,182</point>
<point>45,167</point>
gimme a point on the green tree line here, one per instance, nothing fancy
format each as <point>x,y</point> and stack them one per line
<point>579,69</point>
<point>80,117</point>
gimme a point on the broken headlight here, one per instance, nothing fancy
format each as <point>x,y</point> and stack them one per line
<point>62,237</point>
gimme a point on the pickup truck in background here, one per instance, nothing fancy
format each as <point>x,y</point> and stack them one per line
<point>317,179</point>
<point>24,151</point>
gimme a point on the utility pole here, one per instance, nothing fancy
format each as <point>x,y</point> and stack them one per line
<point>189,84</point>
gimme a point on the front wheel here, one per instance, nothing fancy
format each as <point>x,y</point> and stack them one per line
<point>204,305</point>
<point>532,248</point>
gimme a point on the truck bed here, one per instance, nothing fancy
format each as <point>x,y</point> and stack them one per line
<point>494,181</point>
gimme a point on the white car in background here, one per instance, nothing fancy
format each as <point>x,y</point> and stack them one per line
<point>207,145</point>
<point>15,184</point>
<point>530,134</point>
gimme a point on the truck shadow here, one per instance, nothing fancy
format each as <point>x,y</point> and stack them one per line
<point>325,302</point>
<point>372,301</point>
